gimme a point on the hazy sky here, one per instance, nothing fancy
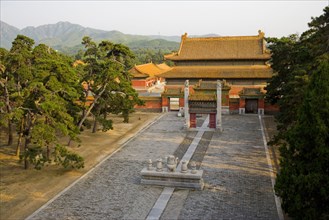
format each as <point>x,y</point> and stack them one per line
<point>275,18</point>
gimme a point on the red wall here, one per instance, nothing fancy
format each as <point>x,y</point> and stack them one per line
<point>181,102</point>
<point>165,102</point>
<point>271,109</point>
<point>260,103</point>
<point>242,103</point>
<point>138,82</point>
<point>234,106</point>
<point>151,103</point>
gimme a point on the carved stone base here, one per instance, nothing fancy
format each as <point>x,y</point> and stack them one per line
<point>261,111</point>
<point>173,179</point>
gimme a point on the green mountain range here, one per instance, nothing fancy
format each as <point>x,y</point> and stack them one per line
<point>67,37</point>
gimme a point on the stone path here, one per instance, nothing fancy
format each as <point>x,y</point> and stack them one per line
<point>238,184</point>
<point>167,192</point>
<point>237,181</point>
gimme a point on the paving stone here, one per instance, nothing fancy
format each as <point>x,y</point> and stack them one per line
<point>113,189</point>
<point>237,181</point>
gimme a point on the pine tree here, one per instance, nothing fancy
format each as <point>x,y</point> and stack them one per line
<point>301,88</point>
<point>106,73</point>
<point>304,176</point>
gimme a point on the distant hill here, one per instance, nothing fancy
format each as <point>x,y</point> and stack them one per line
<point>8,34</point>
<point>66,37</point>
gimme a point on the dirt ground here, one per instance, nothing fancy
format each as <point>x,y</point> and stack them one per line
<point>24,191</point>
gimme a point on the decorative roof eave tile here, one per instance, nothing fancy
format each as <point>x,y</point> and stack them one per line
<point>251,93</point>
<point>177,91</point>
<point>163,66</point>
<point>177,58</point>
<point>219,72</point>
<point>210,85</point>
<point>169,56</point>
<point>136,73</point>
<point>139,75</point>
<point>202,97</point>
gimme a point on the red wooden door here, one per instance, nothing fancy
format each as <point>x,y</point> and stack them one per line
<point>192,120</point>
<point>252,106</point>
<point>212,120</point>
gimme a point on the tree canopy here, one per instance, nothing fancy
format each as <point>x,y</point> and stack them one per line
<point>41,96</point>
<point>39,86</point>
<point>107,78</point>
<point>301,89</point>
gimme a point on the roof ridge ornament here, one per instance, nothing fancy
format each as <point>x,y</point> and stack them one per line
<point>184,36</point>
<point>261,33</point>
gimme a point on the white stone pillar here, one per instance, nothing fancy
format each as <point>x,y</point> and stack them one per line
<point>186,108</point>
<point>219,106</point>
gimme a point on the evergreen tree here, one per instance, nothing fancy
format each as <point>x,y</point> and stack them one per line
<point>304,176</point>
<point>49,99</point>
<point>18,66</point>
<point>107,77</point>
<point>39,93</point>
<point>289,60</point>
<point>301,89</point>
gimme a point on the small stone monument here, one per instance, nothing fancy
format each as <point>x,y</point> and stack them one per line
<point>159,165</point>
<point>184,178</point>
<point>193,167</point>
<point>172,163</point>
<point>184,167</point>
<point>149,165</point>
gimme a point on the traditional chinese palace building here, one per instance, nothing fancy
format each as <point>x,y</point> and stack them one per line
<point>240,62</point>
<point>146,75</point>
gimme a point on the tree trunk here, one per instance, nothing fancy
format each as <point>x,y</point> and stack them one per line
<point>89,110</point>
<point>26,162</point>
<point>91,107</point>
<point>125,114</point>
<point>95,125</point>
<point>10,133</point>
<point>8,107</point>
<point>20,136</point>
<point>30,124</point>
<point>48,152</point>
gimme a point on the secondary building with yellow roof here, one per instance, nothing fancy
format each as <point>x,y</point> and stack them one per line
<point>146,75</point>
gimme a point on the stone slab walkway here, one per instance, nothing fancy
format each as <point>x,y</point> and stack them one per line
<point>238,184</point>
<point>237,181</point>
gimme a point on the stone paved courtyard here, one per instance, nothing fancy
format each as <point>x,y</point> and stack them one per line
<point>236,176</point>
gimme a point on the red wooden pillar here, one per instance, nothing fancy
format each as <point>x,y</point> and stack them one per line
<point>192,120</point>
<point>212,120</point>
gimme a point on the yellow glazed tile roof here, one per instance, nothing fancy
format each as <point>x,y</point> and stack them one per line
<point>163,66</point>
<point>171,90</point>
<point>221,48</point>
<point>202,97</point>
<point>148,70</point>
<point>219,72</point>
